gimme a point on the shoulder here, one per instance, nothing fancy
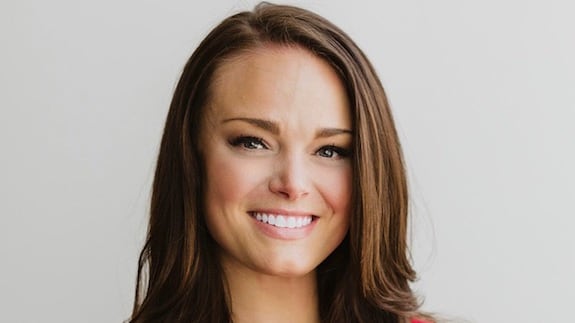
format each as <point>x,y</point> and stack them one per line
<point>416,320</point>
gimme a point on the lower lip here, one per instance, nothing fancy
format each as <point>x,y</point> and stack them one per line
<point>285,233</point>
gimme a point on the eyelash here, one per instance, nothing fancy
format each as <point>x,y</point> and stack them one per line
<point>341,152</point>
<point>256,143</point>
<point>244,141</point>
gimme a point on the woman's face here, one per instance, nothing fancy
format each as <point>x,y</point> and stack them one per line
<point>276,141</point>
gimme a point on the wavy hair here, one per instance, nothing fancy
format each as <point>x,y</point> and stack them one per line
<point>366,279</point>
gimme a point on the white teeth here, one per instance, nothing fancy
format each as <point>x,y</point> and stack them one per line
<point>283,221</point>
<point>280,221</point>
<point>291,222</point>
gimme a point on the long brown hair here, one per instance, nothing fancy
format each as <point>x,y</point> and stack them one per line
<point>366,279</point>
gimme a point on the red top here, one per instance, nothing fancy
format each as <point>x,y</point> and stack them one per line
<point>418,321</point>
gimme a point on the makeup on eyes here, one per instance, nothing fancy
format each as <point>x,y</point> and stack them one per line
<point>330,143</point>
<point>341,152</point>
<point>248,142</point>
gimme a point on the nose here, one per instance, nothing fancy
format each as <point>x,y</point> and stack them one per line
<point>290,178</point>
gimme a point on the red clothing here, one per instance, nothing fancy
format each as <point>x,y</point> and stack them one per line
<point>418,321</point>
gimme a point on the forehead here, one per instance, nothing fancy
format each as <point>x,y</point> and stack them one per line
<point>280,77</point>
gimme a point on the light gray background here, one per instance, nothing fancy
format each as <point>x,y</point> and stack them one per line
<point>483,94</point>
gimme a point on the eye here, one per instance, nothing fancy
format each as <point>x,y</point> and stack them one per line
<point>248,142</point>
<point>333,152</point>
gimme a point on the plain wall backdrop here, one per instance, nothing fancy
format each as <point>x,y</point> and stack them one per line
<point>484,98</point>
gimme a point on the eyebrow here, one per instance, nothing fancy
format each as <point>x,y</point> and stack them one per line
<point>330,132</point>
<point>260,123</point>
<point>275,129</point>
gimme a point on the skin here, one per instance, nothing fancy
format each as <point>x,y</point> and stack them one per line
<point>276,137</point>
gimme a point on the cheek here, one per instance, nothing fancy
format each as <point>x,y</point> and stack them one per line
<point>229,183</point>
<point>229,180</point>
<point>336,190</point>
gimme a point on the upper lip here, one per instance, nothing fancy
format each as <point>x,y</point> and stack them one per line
<point>282,212</point>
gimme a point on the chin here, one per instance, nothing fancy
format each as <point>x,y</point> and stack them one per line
<point>289,268</point>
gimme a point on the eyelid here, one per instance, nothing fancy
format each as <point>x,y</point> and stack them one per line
<point>340,151</point>
<point>242,139</point>
<point>255,143</point>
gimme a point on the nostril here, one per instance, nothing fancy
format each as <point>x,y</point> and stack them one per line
<point>292,194</point>
<point>290,178</point>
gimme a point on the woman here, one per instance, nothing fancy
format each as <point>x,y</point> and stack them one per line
<point>280,193</point>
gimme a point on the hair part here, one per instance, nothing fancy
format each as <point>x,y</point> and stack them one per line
<point>366,279</point>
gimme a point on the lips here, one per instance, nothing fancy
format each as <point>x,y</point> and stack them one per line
<point>282,220</point>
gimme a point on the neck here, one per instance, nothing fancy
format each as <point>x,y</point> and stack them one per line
<point>258,298</point>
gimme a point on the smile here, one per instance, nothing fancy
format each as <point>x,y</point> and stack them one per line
<point>283,221</point>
